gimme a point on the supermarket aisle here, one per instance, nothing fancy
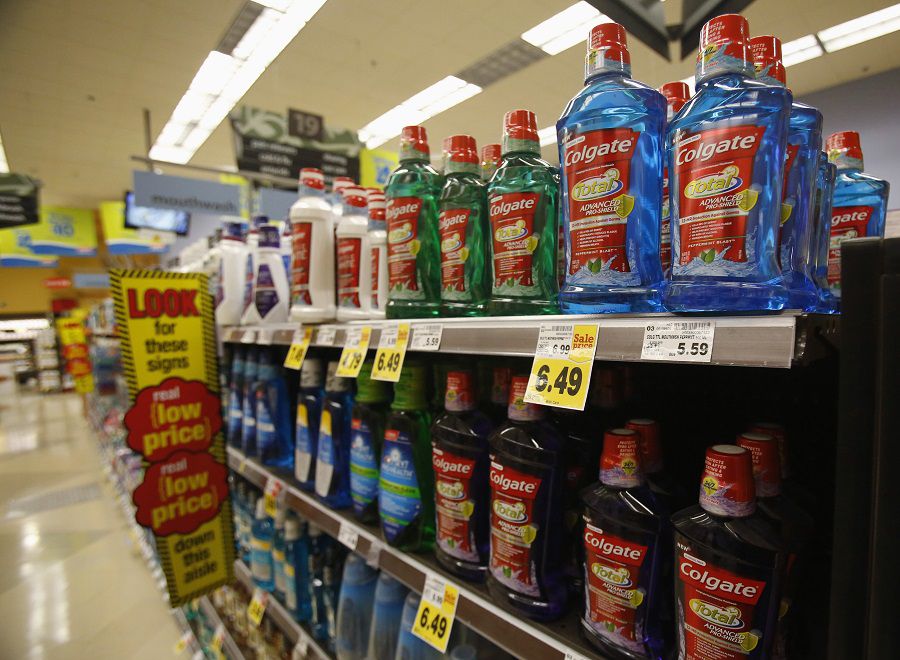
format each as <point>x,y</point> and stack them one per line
<point>71,586</point>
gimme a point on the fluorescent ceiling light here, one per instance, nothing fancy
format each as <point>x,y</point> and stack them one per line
<point>566,29</point>
<point>800,50</point>
<point>861,29</point>
<point>4,165</point>
<point>547,135</point>
<point>431,101</point>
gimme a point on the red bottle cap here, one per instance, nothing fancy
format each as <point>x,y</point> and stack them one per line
<point>520,125</point>
<point>607,50</point>
<point>341,182</point>
<point>620,461</point>
<point>677,94</point>
<point>726,487</point>
<point>607,34</point>
<point>724,47</point>
<point>844,149</point>
<point>377,207</point>
<point>725,29</point>
<point>766,53</point>
<point>414,143</point>
<point>777,432</point>
<point>354,196</point>
<point>312,177</point>
<point>460,395</point>
<point>518,409</point>
<point>763,450</point>
<point>648,443</point>
<point>490,153</point>
<point>374,193</point>
<point>461,149</point>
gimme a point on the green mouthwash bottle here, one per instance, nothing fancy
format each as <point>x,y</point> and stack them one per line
<point>406,485</point>
<point>464,231</point>
<point>367,430</point>
<point>414,259</point>
<point>523,202</point>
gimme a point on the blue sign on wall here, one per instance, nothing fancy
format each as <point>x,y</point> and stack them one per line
<point>178,193</point>
<point>276,204</point>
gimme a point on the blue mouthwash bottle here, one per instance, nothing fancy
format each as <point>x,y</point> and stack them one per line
<point>279,575</point>
<point>726,159</point>
<point>728,565</point>
<point>677,94</point>
<point>354,611</point>
<point>369,412</point>
<point>274,441</point>
<point>386,616</point>
<point>333,457</point>
<point>406,484</point>
<point>624,543</point>
<point>795,245</point>
<point>236,396</point>
<point>859,204</point>
<point>309,412</point>
<point>611,155</point>
<point>248,403</point>
<point>526,571</point>
<point>262,533</point>
<point>825,179</point>
<point>296,569</point>
<point>318,545</point>
<point>461,468</point>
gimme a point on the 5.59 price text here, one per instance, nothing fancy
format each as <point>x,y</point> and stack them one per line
<point>692,348</point>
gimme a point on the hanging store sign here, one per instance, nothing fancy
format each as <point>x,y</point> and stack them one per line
<point>161,191</point>
<point>64,232</point>
<point>166,325</point>
<point>91,280</point>
<point>125,240</point>
<point>15,251</point>
<point>18,200</point>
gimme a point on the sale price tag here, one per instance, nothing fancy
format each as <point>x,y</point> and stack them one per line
<point>390,353</point>
<point>257,607</point>
<point>437,610</point>
<point>563,360</point>
<point>426,337</point>
<point>299,345</point>
<point>679,341</point>
<point>271,495</point>
<point>355,347</point>
<point>183,642</point>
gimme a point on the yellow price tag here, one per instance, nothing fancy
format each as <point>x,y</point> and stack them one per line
<point>297,352</point>
<point>390,353</point>
<point>437,610</point>
<point>218,641</point>
<point>270,496</point>
<point>355,347</point>
<point>257,607</point>
<point>563,361</point>
<point>183,642</point>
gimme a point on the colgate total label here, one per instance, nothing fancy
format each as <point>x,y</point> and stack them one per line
<point>454,505</point>
<point>512,228</point>
<point>513,531</point>
<point>452,224</point>
<point>403,246</point>
<point>846,222</point>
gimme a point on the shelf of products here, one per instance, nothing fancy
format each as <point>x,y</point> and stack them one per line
<point>521,638</point>
<point>229,647</point>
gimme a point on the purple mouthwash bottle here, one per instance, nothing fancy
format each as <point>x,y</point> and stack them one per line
<point>825,179</point>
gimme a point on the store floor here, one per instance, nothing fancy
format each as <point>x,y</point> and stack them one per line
<point>71,583</point>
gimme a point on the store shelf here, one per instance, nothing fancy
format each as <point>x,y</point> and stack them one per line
<point>296,633</point>
<point>524,639</point>
<point>775,340</point>
<point>229,647</point>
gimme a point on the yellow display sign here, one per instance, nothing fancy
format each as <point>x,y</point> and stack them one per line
<point>75,352</point>
<point>64,232</point>
<point>436,613</point>
<point>563,361</point>
<point>299,346</point>
<point>355,347</point>
<point>390,353</point>
<point>375,166</point>
<point>167,331</point>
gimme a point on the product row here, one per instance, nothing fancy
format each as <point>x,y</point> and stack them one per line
<point>506,493</point>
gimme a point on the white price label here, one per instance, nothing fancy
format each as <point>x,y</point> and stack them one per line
<point>264,336</point>
<point>248,337</point>
<point>426,337</point>
<point>301,648</point>
<point>571,655</point>
<point>325,335</point>
<point>679,341</point>
<point>348,536</point>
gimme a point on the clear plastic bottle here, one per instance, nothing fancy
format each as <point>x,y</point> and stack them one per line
<point>333,457</point>
<point>250,315</point>
<point>859,204</point>
<point>825,179</point>
<point>795,235</point>
<point>318,547</point>
<point>354,261</point>
<point>386,616</point>
<point>296,569</point>
<point>248,403</point>
<point>368,418</point>
<point>726,153</point>
<point>274,438</point>
<point>336,197</point>
<point>611,155</point>
<point>414,260</point>
<point>309,412</point>
<point>312,244</point>
<point>354,611</point>
<point>677,94</point>
<point>236,396</point>
<point>279,575</point>
<point>229,290</point>
<point>271,293</point>
<point>464,231</point>
<point>410,647</point>
<point>379,257</point>
<point>523,202</point>
<point>261,567</point>
<point>490,160</point>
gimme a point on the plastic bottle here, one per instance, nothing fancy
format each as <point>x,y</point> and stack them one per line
<point>236,396</point>
<point>795,243</point>
<point>354,612</point>
<point>318,544</point>
<point>296,570</point>
<point>611,157</point>
<point>386,616</point>
<point>242,517</point>
<point>490,160</point>
<point>333,457</point>
<point>279,558</point>
<point>859,203</point>
<point>312,244</point>
<point>309,412</point>
<point>414,266</point>
<point>677,94</point>
<point>726,153</point>
<point>379,258</point>
<point>354,263</point>
<point>498,406</point>
<point>335,554</point>
<point>336,198</point>
<point>525,573</point>
<point>271,293</point>
<point>261,548</point>
<point>250,315</point>
<point>624,544</point>
<point>230,287</point>
<point>274,438</point>
<point>523,205</point>
<point>248,403</point>
<point>728,565</point>
<point>825,179</point>
<point>287,251</point>
<point>664,486</point>
<point>461,469</point>
<point>368,418</point>
<point>406,484</point>
<point>410,647</point>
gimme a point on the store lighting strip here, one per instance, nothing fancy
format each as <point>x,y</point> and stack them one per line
<point>4,165</point>
<point>547,135</point>
<point>566,29</point>
<point>224,78</point>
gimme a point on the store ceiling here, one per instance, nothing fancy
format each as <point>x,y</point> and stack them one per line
<point>77,75</point>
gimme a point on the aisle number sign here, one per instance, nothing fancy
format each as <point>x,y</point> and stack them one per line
<point>168,339</point>
<point>437,610</point>
<point>356,345</point>
<point>563,361</point>
<point>299,346</point>
<point>390,353</point>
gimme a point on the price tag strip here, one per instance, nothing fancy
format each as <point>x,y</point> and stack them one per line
<point>437,610</point>
<point>679,341</point>
<point>265,336</point>
<point>563,361</point>
<point>426,337</point>
<point>325,335</point>
<point>257,607</point>
<point>299,346</point>
<point>271,496</point>
<point>348,536</point>
<point>183,642</point>
<point>249,337</point>
<point>301,648</point>
<point>391,352</point>
<point>355,347</point>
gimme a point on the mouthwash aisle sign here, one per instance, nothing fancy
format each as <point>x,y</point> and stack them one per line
<point>165,323</point>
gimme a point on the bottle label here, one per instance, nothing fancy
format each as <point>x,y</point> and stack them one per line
<point>235,415</point>
<point>716,193</point>
<point>513,529</point>
<point>265,427</point>
<point>303,453</point>
<point>249,272</point>
<point>363,466</point>
<point>399,500</point>
<point>348,255</point>
<point>597,169</point>
<point>301,246</point>
<point>452,224</point>
<point>278,561</point>
<point>512,227</point>
<point>846,222</point>
<point>665,237</point>
<point>248,420</point>
<point>290,587</point>
<point>403,246</point>
<point>325,458</point>
<point>716,609</point>
<point>265,296</point>
<point>612,592</point>
<point>375,259</point>
<point>454,504</point>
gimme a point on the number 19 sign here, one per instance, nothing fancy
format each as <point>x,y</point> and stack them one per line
<point>563,360</point>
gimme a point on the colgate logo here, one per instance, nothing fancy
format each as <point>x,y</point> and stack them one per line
<point>511,511</point>
<point>444,466</point>
<point>853,217</point>
<point>720,585</point>
<point>714,184</point>
<point>596,187</point>
<point>727,617</point>
<point>449,221</point>
<point>396,211</point>
<point>500,208</point>
<point>606,547</point>
<point>588,154</point>
<point>703,151</point>
<point>619,577</point>
<point>508,485</point>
